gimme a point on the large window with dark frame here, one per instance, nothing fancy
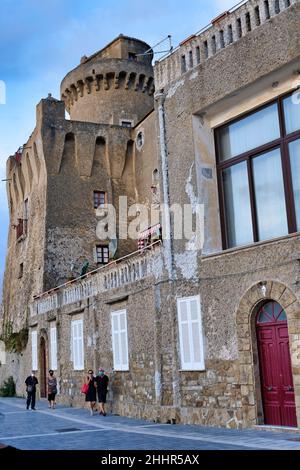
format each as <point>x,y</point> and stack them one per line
<point>258,162</point>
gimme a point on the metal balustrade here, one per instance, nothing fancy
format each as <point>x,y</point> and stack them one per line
<point>127,270</point>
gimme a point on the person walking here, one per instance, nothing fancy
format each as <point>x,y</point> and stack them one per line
<point>90,396</point>
<point>31,383</point>
<point>52,389</point>
<point>102,384</point>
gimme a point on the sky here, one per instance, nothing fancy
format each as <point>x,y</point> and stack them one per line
<point>41,41</point>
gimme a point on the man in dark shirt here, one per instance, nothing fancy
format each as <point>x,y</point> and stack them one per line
<point>102,383</point>
<point>31,383</point>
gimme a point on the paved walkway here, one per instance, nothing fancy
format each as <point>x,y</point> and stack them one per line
<point>74,429</point>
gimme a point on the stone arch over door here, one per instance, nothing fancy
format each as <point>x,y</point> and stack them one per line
<point>247,345</point>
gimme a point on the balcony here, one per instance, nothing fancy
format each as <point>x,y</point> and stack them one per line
<point>125,271</point>
<point>21,229</point>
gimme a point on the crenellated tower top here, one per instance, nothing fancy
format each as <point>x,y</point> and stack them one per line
<point>112,86</point>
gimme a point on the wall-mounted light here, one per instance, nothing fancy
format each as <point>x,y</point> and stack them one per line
<point>263,288</point>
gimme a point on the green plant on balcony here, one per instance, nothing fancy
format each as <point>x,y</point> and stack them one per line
<point>14,341</point>
<point>8,388</point>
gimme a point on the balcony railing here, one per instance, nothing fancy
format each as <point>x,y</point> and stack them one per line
<point>21,228</point>
<point>127,270</point>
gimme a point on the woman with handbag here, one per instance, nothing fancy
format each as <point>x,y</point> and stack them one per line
<point>90,396</point>
<point>52,389</point>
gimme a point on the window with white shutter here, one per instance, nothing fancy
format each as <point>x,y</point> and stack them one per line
<point>190,333</point>
<point>34,355</point>
<point>77,345</point>
<point>53,348</point>
<point>120,340</point>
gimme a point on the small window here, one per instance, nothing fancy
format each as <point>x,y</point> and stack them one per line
<point>132,56</point>
<point>205,45</point>
<point>21,270</point>
<point>183,64</point>
<point>267,9</point>
<point>20,229</point>
<point>230,34</point>
<point>198,57</point>
<point>102,254</point>
<point>126,123</point>
<point>140,140</point>
<point>222,39</point>
<point>277,6</point>
<point>99,199</point>
<point>191,61</point>
<point>248,22</point>
<point>239,27</point>
<point>120,340</point>
<point>257,15</point>
<point>213,44</point>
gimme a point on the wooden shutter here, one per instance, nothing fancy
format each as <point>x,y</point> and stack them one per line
<point>77,345</point>
<point>53,348</point>
<point>34,350</point>
<point>123,340</point>
<point>80,346</point>
<point>190,333</point>
<point>120,340</point>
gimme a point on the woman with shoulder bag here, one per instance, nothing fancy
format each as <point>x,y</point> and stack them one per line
<point>52,389</point>
<point>90,396</point>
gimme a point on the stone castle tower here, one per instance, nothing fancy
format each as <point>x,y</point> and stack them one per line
<point>53,181</point>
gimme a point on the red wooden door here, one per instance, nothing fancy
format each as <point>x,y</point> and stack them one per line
<point>275,366</point>
<point>43,368</point>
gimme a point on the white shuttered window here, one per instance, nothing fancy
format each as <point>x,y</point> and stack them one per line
<point>190,333</point>
<point>77,345</point>
<point>34,357</point>
<point>120,340</point>
<point>53,348</point>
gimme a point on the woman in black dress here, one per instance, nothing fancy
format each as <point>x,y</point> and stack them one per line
<point>102,384</point>
<point>90,396</point>
<point>52,389</point>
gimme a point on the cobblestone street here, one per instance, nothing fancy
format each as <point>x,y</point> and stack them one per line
<point>74,429</point>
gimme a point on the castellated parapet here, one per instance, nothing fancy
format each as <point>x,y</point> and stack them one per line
<point>53,178</point>
<point>112,85</point>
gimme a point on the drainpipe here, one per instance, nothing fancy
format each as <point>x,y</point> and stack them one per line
<point>168,245</point>
<point>160,98</point>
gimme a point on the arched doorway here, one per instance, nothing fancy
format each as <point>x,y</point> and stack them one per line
<point>277,385</point>
<point>43,367</point>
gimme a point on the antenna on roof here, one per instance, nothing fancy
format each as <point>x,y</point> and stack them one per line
<point>152,51</point>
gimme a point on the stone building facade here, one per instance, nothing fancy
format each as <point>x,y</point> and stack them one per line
<point>186,335</point>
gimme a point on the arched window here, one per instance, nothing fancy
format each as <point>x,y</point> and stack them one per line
<point>270,312</point>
